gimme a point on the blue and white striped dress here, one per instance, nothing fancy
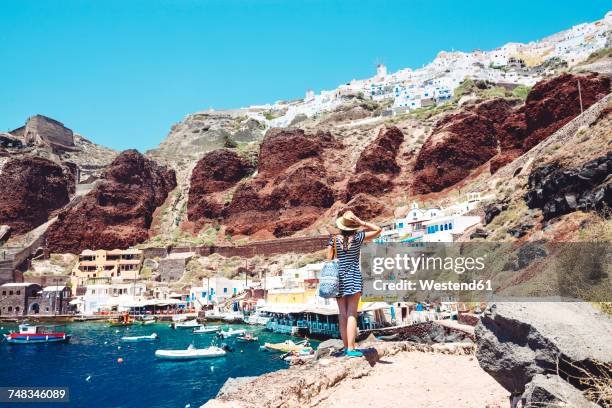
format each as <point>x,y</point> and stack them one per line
<point>349,270</point>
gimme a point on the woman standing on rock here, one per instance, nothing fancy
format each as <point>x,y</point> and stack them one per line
<point>347,246</point>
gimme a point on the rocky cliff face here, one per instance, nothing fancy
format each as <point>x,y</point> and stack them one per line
<point>30,189</point>
<point>216,172</point>
<point>498,131</point>
<point>458,144</point>
<point>117,213</point>
<point>291,189</point>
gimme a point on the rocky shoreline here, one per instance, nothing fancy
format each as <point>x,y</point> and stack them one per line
<point>523,355</point>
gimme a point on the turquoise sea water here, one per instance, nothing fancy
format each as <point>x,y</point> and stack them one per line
<point>141,380</point>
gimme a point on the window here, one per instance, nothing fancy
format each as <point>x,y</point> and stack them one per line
<point>400,225</point>
<point>224,290</point>
<point>450,225</point>
<point>204,294</point>
<point>16,308</point>
<point>234,291</point>
<point>4,293</point>
<point>10,308</point>
<point>18,292</point>
<point>10,292</point>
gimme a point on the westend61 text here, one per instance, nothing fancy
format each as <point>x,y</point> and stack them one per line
<point>429,284</point>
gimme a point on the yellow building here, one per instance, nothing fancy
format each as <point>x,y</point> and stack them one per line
<point>294,295</point>
<point>102,265</point>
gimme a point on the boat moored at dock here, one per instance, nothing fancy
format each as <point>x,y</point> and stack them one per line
<point>207,329</point>
<point>191,353</point>
<point>231,332</point>
<point>135,339</point>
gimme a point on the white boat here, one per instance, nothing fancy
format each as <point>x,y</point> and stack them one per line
<point>206,329</point>
<point>189,324</point>
<point>233,317</point>
<point>231,332</point>
<point>257,318</point>
<point>151,337</point>
<point>190,353</point>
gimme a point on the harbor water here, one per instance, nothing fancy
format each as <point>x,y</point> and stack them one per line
<point>88,365</point>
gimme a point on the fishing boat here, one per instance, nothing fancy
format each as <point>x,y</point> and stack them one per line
<point>246,338</point>
<point>135,339</point>
<point>206,329</point>
<point>190,353</point>
<point>288,346</point>
<point>231,333</point>
<point>188,324</point>
<point>36,334</point>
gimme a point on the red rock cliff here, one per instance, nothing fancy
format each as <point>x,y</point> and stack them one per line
<point>30,189</point>
<point>117,213</point>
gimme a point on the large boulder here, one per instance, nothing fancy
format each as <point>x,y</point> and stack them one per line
<point>30,189</point>
<point>552,391</point>
<point>118,212</point>
<point>518,341</point>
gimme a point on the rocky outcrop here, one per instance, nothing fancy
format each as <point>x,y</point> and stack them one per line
<point>367,183</point>
<point>498,131</point>
<point>364,206</point>
<point>519,341</point>
<point>553,103</point>
<point>557,190</point>
<point>41,130</point>
<point>32,188</point>
<point>458,144</point>
<point>217,171</point>
<point>281,149</point>
<point>548,107</point>
<point>380,156</point>
<point>290,190</point>
<point>118,212</point>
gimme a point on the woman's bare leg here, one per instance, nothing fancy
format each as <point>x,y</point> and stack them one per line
<point>351,327</point>
<point>342,319</point>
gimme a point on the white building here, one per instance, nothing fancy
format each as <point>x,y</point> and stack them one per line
<point>117,296</point>
<point>215,290</point>
<point>441,229</point>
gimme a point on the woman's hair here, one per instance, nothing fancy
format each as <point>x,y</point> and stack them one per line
<point>346,235</point>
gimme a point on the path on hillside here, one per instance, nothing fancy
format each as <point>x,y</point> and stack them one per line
<point>419,380</point>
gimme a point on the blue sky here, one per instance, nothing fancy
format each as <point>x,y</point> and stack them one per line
<point>121,72</point>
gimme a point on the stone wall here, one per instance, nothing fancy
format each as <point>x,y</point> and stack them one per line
<point>14,299</point>
<point>172,269</point>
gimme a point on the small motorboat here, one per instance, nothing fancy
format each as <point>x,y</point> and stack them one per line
<point>134,339</point>
<point>206,329</point>
<point>124,320</point>
<point>188,324</point>
<point>231,333</point>
<point>247,338</point>
<point>302,355</point>
<point>146,320</point>
<point>289,346</point>
<point>191,353</point>
<point>36,334</point>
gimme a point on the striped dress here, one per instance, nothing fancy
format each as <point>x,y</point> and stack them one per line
<point>349,271</point>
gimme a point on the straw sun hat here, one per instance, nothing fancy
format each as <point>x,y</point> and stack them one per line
<point>346,223</point>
